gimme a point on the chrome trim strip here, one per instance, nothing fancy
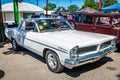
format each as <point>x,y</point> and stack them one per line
<point>46,45</point>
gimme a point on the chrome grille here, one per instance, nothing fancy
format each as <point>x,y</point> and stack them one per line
<point>105,44</point>
<point>87,49</point>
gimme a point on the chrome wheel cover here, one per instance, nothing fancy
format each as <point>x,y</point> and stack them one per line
<point>52,61</point>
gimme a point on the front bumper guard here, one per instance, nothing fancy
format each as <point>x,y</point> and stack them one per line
<point>90,58</point>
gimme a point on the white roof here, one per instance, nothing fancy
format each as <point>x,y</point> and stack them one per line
<point>23,7</point>
<point>49,12</point>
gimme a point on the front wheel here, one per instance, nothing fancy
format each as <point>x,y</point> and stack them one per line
<point>53,62</point>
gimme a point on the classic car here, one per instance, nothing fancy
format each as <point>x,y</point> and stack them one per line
<point>60,44</point>
<point>104,23</point>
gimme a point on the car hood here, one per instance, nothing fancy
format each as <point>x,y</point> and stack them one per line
<point>70,38</point>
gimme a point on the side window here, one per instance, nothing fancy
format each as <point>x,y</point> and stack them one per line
<point>88,19</point>
<point>30,26</point>
<point>104,21</point>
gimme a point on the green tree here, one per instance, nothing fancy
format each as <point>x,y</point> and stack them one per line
<point>73,8</point>
<point>51,6</point>
<point>110,2</point>
<point>91,3</point>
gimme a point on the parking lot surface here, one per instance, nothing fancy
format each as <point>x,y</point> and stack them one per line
<point>25,65</point>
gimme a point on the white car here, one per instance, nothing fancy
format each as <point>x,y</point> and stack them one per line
<point>59,43</point>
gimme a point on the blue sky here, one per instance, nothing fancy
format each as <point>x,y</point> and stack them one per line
<point>64,3</point>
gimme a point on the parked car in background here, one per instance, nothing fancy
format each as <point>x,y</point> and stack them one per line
<point>99,23</point>
<point>59,43</point>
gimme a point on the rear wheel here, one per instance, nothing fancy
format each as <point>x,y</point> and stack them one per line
<point>53,62</point>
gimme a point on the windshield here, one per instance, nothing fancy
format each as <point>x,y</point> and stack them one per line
<point>50,25</point>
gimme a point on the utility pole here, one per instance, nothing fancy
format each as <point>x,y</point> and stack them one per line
<point>46,8</point>
<point>16,12</point>
<point>100,4</point>
<point>1,25</point>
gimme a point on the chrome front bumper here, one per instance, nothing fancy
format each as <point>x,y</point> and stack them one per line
<point>90,58</point>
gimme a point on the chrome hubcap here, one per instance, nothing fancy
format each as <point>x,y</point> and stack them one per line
<point>52,62</point>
